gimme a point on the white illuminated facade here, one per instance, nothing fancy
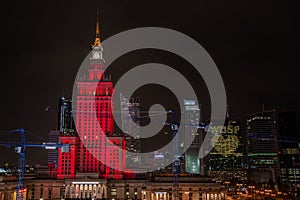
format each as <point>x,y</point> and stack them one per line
<point>86,189</point>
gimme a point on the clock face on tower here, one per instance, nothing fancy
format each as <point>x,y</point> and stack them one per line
<point>96,55</point>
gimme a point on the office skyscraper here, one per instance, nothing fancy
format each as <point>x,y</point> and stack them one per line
<point>263,149</point>
<point>65,117</point>
<point>289,147</point>
<point>130,112</point>
<point>192,120</point>
<point>226,160</point>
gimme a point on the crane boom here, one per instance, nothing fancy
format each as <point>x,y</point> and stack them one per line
<point>20,149</point>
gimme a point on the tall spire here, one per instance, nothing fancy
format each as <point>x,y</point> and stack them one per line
<point>97,36</point>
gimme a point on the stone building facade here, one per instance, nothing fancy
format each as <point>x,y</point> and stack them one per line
<point>157,188</point>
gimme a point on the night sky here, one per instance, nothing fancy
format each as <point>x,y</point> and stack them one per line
<point>254,44</point>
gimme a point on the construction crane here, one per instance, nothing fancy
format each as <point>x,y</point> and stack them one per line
<point>20,149</point>
<point>176,162</point>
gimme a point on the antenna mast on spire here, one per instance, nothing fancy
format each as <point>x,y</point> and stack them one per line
<point>97,36</point>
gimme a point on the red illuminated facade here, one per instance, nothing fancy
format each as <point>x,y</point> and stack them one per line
<point>67,158</point>
<point>94,122</point>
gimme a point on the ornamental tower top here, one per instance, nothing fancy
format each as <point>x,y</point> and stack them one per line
<point>97,42</point>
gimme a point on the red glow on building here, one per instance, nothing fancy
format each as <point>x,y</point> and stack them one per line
<point>67,159</point>
<point>94,124</point>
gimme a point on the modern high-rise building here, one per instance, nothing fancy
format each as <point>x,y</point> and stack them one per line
<point>65,117</point>
<point>263,160</point>
<point>130,114</point>
<point>192,120</point>
<point>226,160</point>
<point>290,164</point>
<point>289,146</point>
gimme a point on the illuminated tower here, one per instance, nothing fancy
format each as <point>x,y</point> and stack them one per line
<point>93,107</point>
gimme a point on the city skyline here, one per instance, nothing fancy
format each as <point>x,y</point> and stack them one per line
<point>242,47</point>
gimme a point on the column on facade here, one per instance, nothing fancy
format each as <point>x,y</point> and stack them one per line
<point>81,191</point>
<point>70,191</point>
<point>101,191</point>
<point>148,195</point>
<point>105,191</point>
<point>205,195</point>
<point>94,191</point>
<point>76,191</point>
<point>71,187</point>
<point>223,197</point>
<point>87,192</point>
<point>66,191</point>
